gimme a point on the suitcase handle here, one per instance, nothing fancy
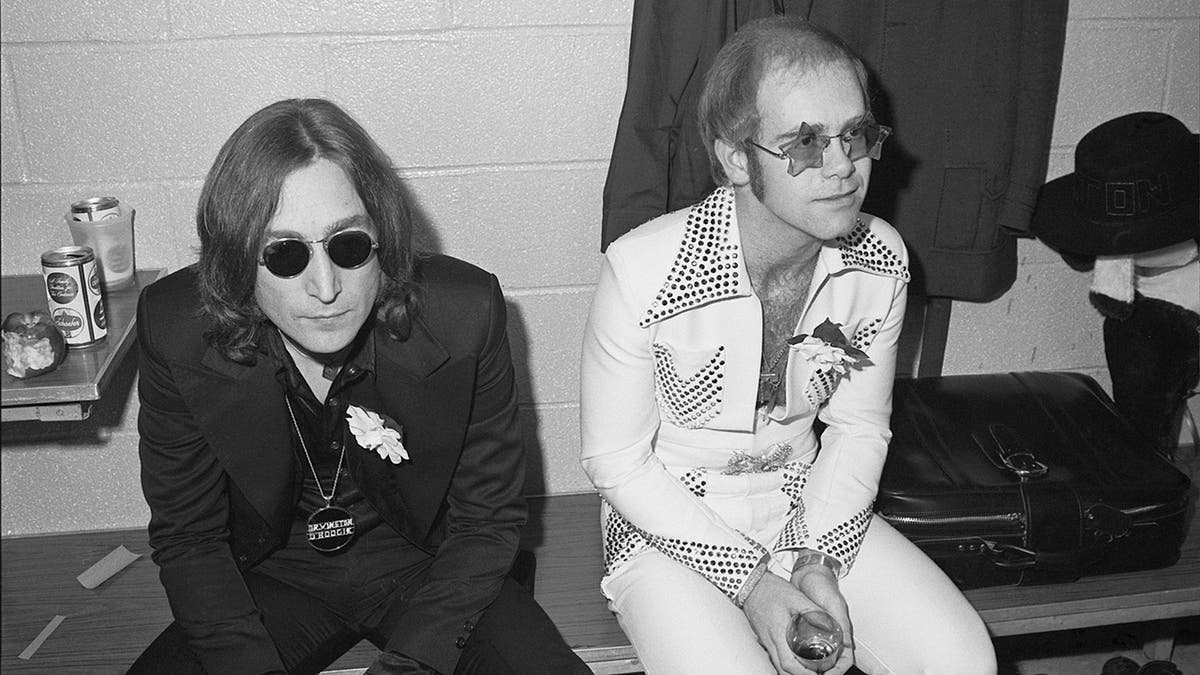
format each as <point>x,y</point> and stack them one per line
<point>1011,556</point>
<point>1003,447</point>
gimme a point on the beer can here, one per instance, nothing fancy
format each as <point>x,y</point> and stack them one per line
<point>96,208</point>
<point>74,294</point>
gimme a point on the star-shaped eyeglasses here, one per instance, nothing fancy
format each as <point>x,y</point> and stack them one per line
<point>807,150</point>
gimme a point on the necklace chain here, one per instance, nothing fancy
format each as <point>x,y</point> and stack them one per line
<point>304,446</point>
<point>778,355</point>
<point>770,379</point>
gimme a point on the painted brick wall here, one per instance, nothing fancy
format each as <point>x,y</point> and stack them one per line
<point>1121,56</point>
<point>502,114</point>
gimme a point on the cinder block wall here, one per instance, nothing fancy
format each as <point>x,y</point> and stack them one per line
<point>500,114</point>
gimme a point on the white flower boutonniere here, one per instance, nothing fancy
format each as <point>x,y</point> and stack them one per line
<point>372,433</point>
<point>828,349</point>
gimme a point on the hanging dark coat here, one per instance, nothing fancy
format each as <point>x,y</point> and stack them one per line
<point>659,163</point>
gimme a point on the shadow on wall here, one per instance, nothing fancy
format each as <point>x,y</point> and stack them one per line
<point>426,239</point>
<point>535,456</point>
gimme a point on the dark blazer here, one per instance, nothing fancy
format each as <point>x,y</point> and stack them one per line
<point>221,479</point>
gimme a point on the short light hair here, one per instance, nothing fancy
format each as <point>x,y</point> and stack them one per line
<point>728,108</point>
<point>241,193</point>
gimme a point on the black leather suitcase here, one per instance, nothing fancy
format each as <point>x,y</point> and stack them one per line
<point>1027,478</point>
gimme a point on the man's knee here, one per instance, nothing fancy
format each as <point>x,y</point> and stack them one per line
<point>515,635</point>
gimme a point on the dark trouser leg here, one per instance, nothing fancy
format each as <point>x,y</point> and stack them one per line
<point>168,653</point>
<point>515,637</point>
<point>1154,360</point>
<point>308,636</point>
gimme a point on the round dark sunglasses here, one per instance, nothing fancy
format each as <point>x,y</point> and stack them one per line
<point>347,249</point>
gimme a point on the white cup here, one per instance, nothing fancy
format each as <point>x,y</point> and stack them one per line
<point>112,241</point>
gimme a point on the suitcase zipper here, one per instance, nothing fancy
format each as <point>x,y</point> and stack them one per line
<point>1142,510</point>
<point>953,519</point>
<point>1003,518</point>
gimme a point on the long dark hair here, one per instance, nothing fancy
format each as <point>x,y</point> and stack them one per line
<point>241,193</point>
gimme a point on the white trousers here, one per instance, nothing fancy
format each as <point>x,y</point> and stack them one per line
<point>908,617</point>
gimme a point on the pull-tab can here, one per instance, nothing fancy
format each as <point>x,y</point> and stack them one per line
<point>74,295</point>
<point>96,208</point>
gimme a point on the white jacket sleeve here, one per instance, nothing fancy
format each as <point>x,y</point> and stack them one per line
<point>619,421</point>
<point>841,487</point>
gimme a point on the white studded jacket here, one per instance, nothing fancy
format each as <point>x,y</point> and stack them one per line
<point>670,375</point>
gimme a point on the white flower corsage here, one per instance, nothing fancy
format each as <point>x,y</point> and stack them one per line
<point>372,433</point>
<point>828,349</point>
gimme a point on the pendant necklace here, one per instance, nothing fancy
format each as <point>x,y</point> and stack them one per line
<point>770,378</point>
<point>330,528</point>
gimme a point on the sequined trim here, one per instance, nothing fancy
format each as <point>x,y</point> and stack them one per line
<point>708,262</point>
<point>696,481</point>
<point>864,249</point>
<point>820,387</point>
<point>706,266</point>
<point>795,476</point>
<point>621,541</point>
<point>842,542</point>
<point>865,335</point>
<point>795,531</point>
<point>726,567</point>
<point>688,403</point>
<point>773,460</point>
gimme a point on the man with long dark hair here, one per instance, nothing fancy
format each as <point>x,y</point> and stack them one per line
<point>329,438</point>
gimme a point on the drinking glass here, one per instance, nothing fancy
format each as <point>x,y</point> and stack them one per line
<point>816,639</point>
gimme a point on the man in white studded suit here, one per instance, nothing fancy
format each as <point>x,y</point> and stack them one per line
<point>718,336</point>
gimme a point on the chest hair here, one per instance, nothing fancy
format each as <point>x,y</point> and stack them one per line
<point>782,296</point>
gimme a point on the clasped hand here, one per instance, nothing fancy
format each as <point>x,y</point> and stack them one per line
<point>774,603</point>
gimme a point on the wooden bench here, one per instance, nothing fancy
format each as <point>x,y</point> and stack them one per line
<point>107,628</point>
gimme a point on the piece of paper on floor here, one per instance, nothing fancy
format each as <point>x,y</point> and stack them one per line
<point>109,565</point>
<point>37,641</point>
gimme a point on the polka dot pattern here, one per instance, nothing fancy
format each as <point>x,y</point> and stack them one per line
<point>821,387</point>
<point>795,476</point>
<point>795,532</point>
<point>864,249</point>
<point>706,266</point>
<point>621,541</point>
<point>727,567</point>
<point>842,542</point>
<point>696,481</point>
<point>865,335</point>
<point>688,403</point>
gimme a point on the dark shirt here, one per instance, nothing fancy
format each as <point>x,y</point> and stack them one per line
<point>326,432</point>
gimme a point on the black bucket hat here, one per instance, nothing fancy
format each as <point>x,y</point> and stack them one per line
<point>1133,190</point>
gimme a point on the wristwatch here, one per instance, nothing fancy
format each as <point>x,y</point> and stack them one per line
<point>808,556</point>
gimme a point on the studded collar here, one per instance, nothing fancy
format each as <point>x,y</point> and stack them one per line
<point>709,264</point>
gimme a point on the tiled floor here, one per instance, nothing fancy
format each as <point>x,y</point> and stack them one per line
<point>1083,652</point>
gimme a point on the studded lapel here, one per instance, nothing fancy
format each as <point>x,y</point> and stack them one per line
<point>709,265</point>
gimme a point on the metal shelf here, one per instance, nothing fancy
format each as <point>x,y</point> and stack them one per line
<point>68,392</point>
